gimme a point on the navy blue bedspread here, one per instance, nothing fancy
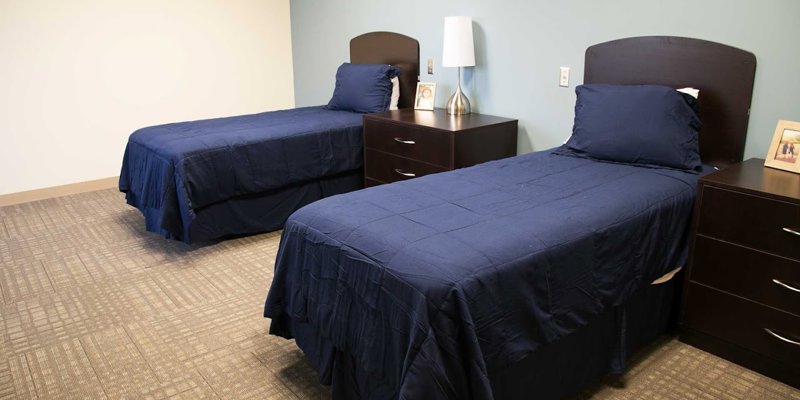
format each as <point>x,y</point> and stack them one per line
<point>169,172</point>
<point>429,283</point>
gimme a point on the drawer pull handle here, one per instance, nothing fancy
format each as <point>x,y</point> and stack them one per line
<point>786,285</point>
<point>398,140</point>
<point>408,174</point>
<point>792,231</point>
<point>796,343</point>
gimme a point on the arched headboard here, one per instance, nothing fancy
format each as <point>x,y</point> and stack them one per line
<point>724,75</point>
<point>394,49</point>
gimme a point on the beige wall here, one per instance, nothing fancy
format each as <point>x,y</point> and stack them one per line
<point>77,77</point>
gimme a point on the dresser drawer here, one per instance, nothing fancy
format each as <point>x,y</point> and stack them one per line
<point>743,323</point>
<point>407,141</point>
<point>750,221</point>
<point>388,168</point>
<point>747,273</point>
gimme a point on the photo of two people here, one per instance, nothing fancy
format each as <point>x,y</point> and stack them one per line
<point>788,146</point>
<point>785,146</point>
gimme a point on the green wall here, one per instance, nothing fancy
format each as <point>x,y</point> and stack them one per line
<point>520,46</point>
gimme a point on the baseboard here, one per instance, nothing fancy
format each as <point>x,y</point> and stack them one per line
<point>58,191</point>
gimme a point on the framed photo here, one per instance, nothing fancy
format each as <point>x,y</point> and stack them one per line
<point>426,92</point>
<point>783,152</point>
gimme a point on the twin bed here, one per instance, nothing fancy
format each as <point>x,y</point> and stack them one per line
<point>203,180</point>
<point>524,277</point>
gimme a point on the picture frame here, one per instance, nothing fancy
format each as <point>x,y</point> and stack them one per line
<point>784,151</point>
<point>426,93</point>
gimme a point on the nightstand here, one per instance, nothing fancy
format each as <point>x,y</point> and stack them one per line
<point>742,294</point>
<point>404,144</point>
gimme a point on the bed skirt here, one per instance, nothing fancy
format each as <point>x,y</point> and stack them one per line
<point>567,366</point>
<point>257,213</point>
<point>556,370</point>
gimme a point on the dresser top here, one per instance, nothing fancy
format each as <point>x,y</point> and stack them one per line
<point>753,177</point>
<point>438,119</point>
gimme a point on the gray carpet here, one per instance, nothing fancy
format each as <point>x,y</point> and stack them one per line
<point>95,307</point>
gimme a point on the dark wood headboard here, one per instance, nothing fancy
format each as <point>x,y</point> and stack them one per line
<point>723,74</point>
<point>394,49</point>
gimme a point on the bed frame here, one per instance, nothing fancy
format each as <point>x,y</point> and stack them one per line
<point>264,210</point>
<point>724,75</point>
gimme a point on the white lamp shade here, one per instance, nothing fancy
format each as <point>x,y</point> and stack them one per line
<point>458,48</point>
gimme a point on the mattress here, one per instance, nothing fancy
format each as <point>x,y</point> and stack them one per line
<point>170,172</point>
<point>431,283</point>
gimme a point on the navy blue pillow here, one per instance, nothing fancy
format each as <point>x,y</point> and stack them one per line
<point>363,88</point>
<point>645,125</point>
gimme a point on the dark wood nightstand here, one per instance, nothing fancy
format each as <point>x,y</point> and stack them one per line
<point>742,295</point>
<point>404,144</point>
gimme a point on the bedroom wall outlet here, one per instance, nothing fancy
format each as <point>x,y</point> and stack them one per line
<point>563,78</point>
<point>430,66</point>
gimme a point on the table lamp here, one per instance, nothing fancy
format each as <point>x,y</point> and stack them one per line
<point>458,51</point>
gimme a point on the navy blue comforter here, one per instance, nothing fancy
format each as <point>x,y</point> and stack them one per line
<point>169,172</point>
<point>428,284</point>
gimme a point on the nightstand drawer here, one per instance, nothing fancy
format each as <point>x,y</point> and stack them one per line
<point>745,323</point>
<point>423,145</point>
<point>754,275</point>
<point>751,221</point>
<point>388,168</point>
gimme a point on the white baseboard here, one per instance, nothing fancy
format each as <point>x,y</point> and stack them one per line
<point>58,191</point>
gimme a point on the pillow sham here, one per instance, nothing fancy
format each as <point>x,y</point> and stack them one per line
<point>395,93</point>
<point>695,93</point>
<point>646,125</point>
<point>690,91</point>
<point>363,88</point>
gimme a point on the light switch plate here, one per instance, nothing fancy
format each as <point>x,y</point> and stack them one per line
<point>563,78</point>
<point>430,66</point>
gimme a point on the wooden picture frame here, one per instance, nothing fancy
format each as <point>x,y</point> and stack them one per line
<point>426,93</point>
<point>784,151</point>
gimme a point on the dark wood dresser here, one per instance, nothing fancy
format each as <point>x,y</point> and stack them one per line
<point>742,297</point>
<point>407,143</point>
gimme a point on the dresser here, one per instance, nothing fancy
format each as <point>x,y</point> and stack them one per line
<point>407,143</point>
<point>742,293</point>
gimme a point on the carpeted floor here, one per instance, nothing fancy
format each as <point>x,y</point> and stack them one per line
<point>94,307</point>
